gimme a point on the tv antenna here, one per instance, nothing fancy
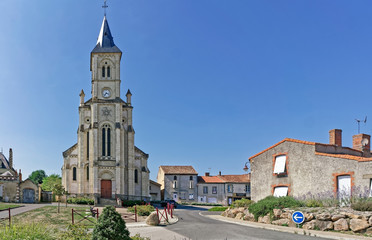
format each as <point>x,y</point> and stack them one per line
<point>358,122</point>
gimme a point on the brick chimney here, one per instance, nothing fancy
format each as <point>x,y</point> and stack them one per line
<point>10,158</point>
<point>207,174</point>
<point>357,142</point>
<point>20,175</point>
<point>219,173</point>
<point>335,137</point>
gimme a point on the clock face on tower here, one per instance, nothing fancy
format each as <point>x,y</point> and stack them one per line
<point>106,93</point>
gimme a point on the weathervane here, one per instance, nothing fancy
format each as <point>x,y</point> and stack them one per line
<point>104,7</point>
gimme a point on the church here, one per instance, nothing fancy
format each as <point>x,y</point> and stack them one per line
<point>105,163</point>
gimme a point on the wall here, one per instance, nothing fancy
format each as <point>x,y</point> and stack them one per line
<point>183,187</point>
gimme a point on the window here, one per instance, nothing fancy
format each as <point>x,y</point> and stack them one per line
<point>190,178</point>
<point>191,184</point>
<point>229,188</point>
<point>191,196</point>
<point>280,191</point>
<point>280,164</point>
<point>175,184</point>
<point>136,176</point>
<point>87,145</point>
<point>214,190</point>
<point>248,188</point>
<point>344,186</point>
<point>175,178</point>
<point>103,71</point>
<point>88,173</point>
<point>108,71</point>
<point>74,174</point>
<point>205,190</point>
<point>106,141</point>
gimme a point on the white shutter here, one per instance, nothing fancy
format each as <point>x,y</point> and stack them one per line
<point>280,191</point>
<point>280,164</point>
<point>344,186</point>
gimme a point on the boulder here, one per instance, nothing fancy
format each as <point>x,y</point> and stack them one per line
<point>249,217</point>
<point>277,213</point>
<point>357,225</point>
<point>152,219</point>
<point>285,215</point>
<point>337,217</point>
<point>241,209</point>
<point>264,219</point>
<point>341,225</point>
<point>281,222</point>
<point>230,214</point>
<point>370,221</point>
<point>224,213</point>
<point>308,216</point>
<point>240,215</point>
<point>324,225</point>
<point>369,230</point>
<point>309,225</point>
<point>323,217</point>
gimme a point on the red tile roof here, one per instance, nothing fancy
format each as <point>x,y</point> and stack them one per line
<point>346,156</point>
<point>244,178</point>
<point>178,170</point>
<point>209,179</point>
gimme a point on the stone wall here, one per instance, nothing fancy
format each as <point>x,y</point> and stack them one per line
<point>324,219</point>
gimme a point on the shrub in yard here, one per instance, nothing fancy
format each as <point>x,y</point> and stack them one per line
<point>26,231</point>
<point>77,232</point>
<point>142,210</point>
<point>266,205</point>
<point>362,206</point>
<point>138,237</point>
<point>131,203</point>
<point>217,209</point>
<point>81,200</point>
<point>313,203</point>
<point>110,226</point>
<point>241,203</point>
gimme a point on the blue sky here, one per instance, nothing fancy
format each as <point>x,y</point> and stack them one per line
<point>213,82</point>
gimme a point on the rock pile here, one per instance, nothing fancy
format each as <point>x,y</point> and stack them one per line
<point>337,219</point>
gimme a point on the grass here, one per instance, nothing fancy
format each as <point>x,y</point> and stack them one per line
<point>48,216</point>
<point>217,209</point>
<point>4,206</point>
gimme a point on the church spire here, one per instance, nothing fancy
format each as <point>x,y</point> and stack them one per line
<point>105,41</point>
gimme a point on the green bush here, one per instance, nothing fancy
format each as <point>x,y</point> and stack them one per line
<point>81,200</point>
<point>111,226</point>
<point>138,237</point>
<point>313,203</point>
<point>26,231</point>
<point>362,206</point>
<point>201,204</point>
<point>131,203</point>
<point>266,205</point>
<point>217,209</point>
<point>241,203</point>
<point>142,210</point>
<point>76,232</point>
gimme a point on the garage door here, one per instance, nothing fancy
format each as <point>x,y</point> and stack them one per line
<point>28,195</point>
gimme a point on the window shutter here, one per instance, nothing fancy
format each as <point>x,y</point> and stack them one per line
<point>280,164</point>
<point>280,191</point>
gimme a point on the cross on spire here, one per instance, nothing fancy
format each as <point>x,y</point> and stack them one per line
<point>105,6</point>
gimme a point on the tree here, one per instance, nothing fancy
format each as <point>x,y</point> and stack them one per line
<point>37,176</point>
<point>111,226</point>
<point>58,190</point>
<point>50,181</point>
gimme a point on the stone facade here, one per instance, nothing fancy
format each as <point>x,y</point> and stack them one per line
<point>223,189</point>
<point>310,168</point>
<point>178,183</point>
<point>155,191</point>
<point>104,162</point>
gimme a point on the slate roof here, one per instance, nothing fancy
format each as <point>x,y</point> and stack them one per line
<point>155,183</point>
<point>244,178</point>
<point>105,41</point>
<point>189,170</point>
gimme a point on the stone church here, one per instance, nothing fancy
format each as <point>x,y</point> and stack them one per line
<point>105,163</point>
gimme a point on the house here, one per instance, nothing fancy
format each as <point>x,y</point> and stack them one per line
<point>104,163</point>
<point>178,183</point>
<point>223,189</point>
<point>302,168</point>
<point>155,191</point>
<point>12,188</point>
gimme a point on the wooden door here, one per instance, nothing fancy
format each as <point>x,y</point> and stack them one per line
<point>106,189</point>
<point>28,195</point>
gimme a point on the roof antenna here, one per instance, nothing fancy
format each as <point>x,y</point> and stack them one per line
<point>104,7</point>
<point>358,121</point>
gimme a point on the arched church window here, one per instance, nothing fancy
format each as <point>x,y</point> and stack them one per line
<point>175,178</point>
<point>106,140</point>
<point>74,174</point>
<point>103,71</point>
<point>136,176</point>
<point>87,145</point>
<point>108,71</point>
<point>87,172</point>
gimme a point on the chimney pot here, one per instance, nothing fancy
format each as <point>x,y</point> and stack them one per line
<point>207,174</point>
<point>10,158</point>
<point>219,173</point>
<point>335,137</point>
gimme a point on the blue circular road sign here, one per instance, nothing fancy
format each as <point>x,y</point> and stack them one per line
<point>298,217</point>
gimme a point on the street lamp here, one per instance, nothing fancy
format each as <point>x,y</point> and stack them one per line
<point>247,167</point>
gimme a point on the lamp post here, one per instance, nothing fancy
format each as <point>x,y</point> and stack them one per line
<point>247,167</point>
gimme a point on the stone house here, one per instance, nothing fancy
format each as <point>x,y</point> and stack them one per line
<point>299,168</point>
<point>223,189</point>
<point>178,183</point>
<point>105,163</point>
<point>155,191</point>
<point>12,188</point>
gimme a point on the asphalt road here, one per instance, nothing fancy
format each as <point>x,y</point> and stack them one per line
<point>194,226</point>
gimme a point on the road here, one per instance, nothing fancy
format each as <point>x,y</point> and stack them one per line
<point>195,226</point>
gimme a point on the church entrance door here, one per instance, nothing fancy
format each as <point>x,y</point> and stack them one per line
<point>106,189</point>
